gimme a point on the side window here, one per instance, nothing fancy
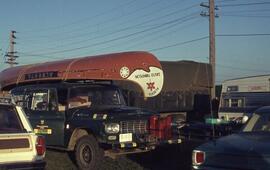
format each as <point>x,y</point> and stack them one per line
<point>41,100</point>
<point>62,99</point>
<point>62,96</point>
<point>226,103</point>
<point>233,102</point>
<point>80,97</point>
<point>18,97</point>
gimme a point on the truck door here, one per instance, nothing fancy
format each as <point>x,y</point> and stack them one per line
<point>42,109</point>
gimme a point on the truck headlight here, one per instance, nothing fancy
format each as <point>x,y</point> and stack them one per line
<point>112,128</point>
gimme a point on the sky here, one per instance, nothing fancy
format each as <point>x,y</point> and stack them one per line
<point>170,29</point>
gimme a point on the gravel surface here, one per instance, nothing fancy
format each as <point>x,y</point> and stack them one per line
<point>172,157</point>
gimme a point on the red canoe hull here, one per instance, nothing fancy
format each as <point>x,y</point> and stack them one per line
<point>140,67</point>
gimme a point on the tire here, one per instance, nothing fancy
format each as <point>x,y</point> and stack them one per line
<point>88,155</point>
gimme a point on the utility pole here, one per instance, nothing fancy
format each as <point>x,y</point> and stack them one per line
<point>10,56</point>
<point>212,42</point>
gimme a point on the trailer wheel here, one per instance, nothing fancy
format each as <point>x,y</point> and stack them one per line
<point>87,153</point>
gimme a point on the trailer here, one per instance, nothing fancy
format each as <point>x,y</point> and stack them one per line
<point>185,92</point>
<point>242,96</point>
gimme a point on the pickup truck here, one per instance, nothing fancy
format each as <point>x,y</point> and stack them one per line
<point>91,119</point>
<point>75,104</point>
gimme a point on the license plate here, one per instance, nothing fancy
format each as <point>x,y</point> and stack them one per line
<point>43,131</point>
<point>126,137</point>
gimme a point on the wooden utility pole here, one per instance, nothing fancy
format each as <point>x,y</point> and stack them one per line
<point>212,44</point>
<point>212,49</point>
<point>10,56</point>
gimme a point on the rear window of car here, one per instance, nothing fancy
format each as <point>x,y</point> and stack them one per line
<point>9,120</point>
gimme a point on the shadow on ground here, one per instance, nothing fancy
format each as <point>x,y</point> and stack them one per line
<point>172,157</point>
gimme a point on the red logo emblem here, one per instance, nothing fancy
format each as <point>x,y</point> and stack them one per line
<point>151,86</point>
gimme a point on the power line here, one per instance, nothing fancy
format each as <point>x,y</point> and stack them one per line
<point>38,55</point>
<point>112,19</point>
<point>117,38</point>
<point>244,62</point>
<point>243,69</point>
<point>243,4</point>
<point>161,36</point>
<point>219,1</point>
<point>243,35</point>
<point>156,33</point>
<point>178,44</point>
<point>119,30</point>
<point>151,50</point>
<point>116,7</point>
<point>226,0</point>
<point>246,11</point>
<point>248,16</point>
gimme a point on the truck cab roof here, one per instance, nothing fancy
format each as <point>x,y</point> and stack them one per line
<point>68,85</point>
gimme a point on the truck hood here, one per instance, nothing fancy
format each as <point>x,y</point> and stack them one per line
<point>113,112</point>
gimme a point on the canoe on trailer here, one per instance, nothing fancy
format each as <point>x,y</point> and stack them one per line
<point>142,68</point>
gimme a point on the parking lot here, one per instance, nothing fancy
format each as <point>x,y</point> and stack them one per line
<point>173,157</point>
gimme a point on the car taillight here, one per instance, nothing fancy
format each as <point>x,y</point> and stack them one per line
<point>198,157</point>
<point>40,145</point>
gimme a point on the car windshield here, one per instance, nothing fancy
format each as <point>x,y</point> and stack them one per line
<point>258,122</point>
<point>9,120</point>
<point>94,97</point>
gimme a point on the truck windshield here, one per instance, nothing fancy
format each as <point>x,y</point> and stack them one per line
<point>94,97</point>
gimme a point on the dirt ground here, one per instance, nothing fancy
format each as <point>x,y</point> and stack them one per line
<point>172,157</point>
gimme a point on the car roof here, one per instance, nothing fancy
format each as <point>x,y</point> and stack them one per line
<point>262,110</point>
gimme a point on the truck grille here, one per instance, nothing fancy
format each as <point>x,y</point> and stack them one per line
<point>134,126</point>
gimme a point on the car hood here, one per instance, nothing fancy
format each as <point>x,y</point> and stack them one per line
<point>125,111</point>
<point>242,150</point>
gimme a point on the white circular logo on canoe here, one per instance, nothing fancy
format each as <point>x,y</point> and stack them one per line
<point>124,72</point>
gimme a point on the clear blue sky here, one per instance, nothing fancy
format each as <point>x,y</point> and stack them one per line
<point>56,29</point>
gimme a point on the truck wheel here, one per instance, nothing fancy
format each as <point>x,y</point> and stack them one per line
<point>87,153</point>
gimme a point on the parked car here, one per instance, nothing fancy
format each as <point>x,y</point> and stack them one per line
<point>248,149</point>
<point>203,131</point>
<point>20,148</point>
